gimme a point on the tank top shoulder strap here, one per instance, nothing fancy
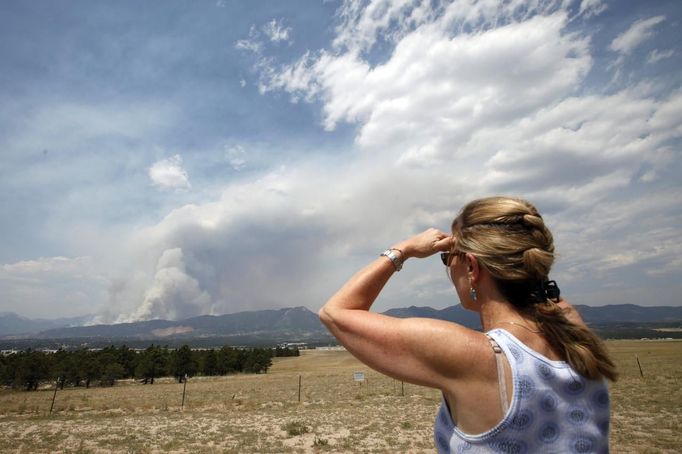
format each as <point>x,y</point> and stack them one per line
<point>500,374</point>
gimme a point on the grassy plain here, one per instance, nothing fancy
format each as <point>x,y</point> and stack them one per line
<point>261,413</point>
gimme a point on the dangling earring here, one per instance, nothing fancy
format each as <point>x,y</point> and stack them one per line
<point>472,291</point>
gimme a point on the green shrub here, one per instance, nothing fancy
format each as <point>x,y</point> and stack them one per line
<point>295,428</point>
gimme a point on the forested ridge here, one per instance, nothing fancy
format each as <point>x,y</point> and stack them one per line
<point>28,369</point>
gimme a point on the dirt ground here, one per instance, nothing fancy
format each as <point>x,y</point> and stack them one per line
<point>262,413</point>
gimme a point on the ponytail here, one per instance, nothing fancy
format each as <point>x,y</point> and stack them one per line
<point>578,345</point>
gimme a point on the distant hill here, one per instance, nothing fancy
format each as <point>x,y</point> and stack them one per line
<point>593,315</point>
<point>455,314</point>
<point>289,324</point>
<point>295,321</point>
<point>629,313</point>
<point>11,323</point>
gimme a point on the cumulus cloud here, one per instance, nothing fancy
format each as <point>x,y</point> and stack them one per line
<point>432,102</point>
<point>474,99</point>
<point>169,174</point>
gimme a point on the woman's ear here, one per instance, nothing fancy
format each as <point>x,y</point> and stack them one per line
<point>473,269</point>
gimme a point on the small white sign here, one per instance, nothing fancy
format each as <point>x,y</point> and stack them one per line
<point>359,376</point>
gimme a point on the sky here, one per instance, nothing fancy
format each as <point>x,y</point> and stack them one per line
<point>166,159</point>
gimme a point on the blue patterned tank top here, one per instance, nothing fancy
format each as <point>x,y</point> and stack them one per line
<point>553,410</point>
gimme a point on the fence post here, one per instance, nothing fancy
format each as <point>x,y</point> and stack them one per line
<point>299,388</point>
<point>402,388</point>
<point>56,385</point>
<point>640,367</point>
<point>184,387</point>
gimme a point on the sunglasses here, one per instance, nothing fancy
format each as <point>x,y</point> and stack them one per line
<point>447,256</point>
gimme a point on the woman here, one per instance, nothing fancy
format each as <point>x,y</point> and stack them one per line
<point>533,381</point>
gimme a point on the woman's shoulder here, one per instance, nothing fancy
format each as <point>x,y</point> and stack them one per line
<point>523,343</point>
<point>458,351</point>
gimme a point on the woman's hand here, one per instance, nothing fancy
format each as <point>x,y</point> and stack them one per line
<point>425,244</point>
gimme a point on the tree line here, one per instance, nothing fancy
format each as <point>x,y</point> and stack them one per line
<point>27,369</point>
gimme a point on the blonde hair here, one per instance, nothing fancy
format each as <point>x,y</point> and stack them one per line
<point>509,238</point>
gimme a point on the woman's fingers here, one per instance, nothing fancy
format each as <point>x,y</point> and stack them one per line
<point>426,243</point>
<point>444,244</point>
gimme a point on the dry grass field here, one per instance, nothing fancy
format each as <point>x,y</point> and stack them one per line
<point>261,413</point>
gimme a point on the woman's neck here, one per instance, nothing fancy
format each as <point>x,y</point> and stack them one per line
<point>494,309</point>
<point>495,313</point>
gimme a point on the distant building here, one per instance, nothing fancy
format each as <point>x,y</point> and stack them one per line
<point>299,345</point>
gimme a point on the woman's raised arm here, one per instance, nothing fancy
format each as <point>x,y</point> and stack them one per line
<point>417,350</point>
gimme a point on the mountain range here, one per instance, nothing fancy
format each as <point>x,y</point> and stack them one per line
<point>296,323</point>
<point>13,324</point>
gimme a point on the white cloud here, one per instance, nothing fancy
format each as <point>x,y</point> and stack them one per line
<point>249,45</point>
<point>629,40</point>
<point>276,32</point>
<point>656,55</point>
<point>591,8</point>
<point>169,174</point>
<point>252,44</point>
<point>638,233</point>
<point>236,156</point>
<point>53,265</point>
<point>299,78</point>
<point>432,102</point>
<point>648,176</point>
<point>638,32</point>
<point>362,23</point>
